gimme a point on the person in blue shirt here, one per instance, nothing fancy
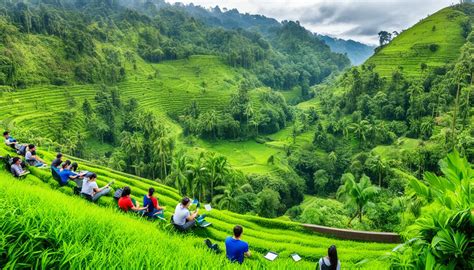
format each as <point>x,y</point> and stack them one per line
<point>65,174</point>
<point>235,248</point>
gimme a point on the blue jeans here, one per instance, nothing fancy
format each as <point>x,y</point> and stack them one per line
<point>101,193</point>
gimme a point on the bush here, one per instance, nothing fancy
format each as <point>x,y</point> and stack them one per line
<point>434,47</point>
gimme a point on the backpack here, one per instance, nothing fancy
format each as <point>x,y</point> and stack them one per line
<point>118,194</point>
<point>324,266</point>
<point>22,150</point>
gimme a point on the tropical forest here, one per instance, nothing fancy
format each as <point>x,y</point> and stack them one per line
<point>310,149</point>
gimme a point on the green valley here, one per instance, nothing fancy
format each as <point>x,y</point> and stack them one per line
<point>260,119</point>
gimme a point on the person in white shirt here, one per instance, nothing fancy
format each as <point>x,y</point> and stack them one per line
<point>182,218</point>
<point>91,189</point>
<point>330,262</point>
<point>32,158</point>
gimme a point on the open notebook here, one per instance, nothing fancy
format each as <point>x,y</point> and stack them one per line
<point>295,257</point>
<point>271,256</point>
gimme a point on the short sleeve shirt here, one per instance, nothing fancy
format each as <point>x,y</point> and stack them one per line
<point>125,203</point>
<point>180,215</point>
<point>29,156</point>
<point>88,187</point>
<point>65,174</point>
<point>235,249</point>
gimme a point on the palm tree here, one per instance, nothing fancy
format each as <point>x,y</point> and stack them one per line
<point>231,190</point>
<point>377,165</point>
<point>198,176</point>
<point>217,168</point>
<point>178,177</point>
<point>361,130</point>
<point>356,194</point>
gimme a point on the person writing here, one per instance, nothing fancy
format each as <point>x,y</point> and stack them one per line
<point>17,169</point>
<point>65,174</point>
<point>91,190</point>
<point>330,262</point>
<point>182,218</point>
<point>126,203</point>
<point>32,158</point>
<point>236,249</point>
<point>154,210</point>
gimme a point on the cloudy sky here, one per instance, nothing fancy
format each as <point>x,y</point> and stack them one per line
<point>360,20</point>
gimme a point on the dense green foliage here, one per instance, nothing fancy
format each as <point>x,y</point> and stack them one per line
<point>83,41</point>
<point>441,237</point>
<point>44,211</point>
<point>233,19</point>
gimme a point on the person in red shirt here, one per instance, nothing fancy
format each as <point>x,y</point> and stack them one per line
<point>154,210</point>
<point>125,202</point>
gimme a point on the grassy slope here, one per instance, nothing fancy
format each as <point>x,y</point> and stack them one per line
<point>411,47</point>
<point>262,234</point>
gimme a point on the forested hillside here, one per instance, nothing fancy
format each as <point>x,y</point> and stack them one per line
<point>233,19</point>
<point>267,123</point>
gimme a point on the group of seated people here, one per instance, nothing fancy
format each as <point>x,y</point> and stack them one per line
<point>151,208</point>
<point>183,219</point>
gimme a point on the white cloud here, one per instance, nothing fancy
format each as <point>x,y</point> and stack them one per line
<point>354,19</point>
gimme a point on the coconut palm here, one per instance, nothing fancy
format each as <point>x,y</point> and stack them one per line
<point>377,165</point>
<point>218,168</point>
<point>231,190</point>
<point>361,130</point>
<point>356,194</point>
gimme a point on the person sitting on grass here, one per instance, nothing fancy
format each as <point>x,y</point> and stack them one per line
<point>57,162</point>
<point>17,169</point>
<point>91,190</point>
<point>9,140</point>
<point>65,174</point>
<point>182,217</point>
<point>236,249</point>
<point>330,262</point>
<point>126,203</point>
<point>32,159</point>
<point>151,203</point>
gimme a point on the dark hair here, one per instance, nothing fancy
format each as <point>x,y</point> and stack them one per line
<point>31,146</point>
<point>332,254</point>
<point>5,133</point>
<point>15,160</point>
<point>74,166</point>
<point>238,230</point>
<point>59,155</point>
<point>185,201</point>
<point>151,191</point>
<point>126,191</point>
<point>92,176</point>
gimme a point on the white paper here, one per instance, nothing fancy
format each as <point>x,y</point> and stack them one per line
<point>208,207</point>
<point>296,257</point>
<point>271,256</point>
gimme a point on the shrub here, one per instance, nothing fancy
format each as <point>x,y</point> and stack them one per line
<point>434,47</point>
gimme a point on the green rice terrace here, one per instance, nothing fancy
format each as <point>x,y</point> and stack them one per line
<point>262,121</point>
<point>434,41</point>
<point>120,240</point>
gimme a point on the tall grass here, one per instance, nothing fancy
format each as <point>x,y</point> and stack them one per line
<point>262,234</point>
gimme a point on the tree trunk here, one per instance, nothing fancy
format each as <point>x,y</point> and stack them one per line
<point>380,179</point>
<point>453,127</point>
<point>360,214</point>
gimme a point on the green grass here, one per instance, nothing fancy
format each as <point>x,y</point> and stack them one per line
<point>39,200</point>
<point>411,47</point>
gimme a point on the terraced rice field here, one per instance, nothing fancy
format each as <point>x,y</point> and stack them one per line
<point>262,234</point>
<point>412,47</point>
<point>170,88</point>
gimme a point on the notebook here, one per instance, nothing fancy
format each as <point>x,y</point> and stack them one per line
<point>208,207</point>
<point>295,257</point>
<point>271,256</point>
<point>204,224</point>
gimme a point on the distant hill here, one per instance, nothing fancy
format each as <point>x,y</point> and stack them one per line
<point>232,19</point>
<point>435,41</point>
<point>356,51</point>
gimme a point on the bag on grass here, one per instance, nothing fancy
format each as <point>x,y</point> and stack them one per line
<point>118,194</point>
